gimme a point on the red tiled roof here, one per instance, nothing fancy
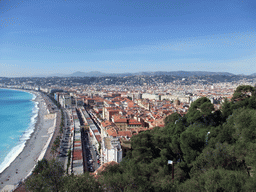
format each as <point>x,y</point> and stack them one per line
<point>134,122</point>
<point>125,133</point>
<point>112,132</point>
<point>106,123</point>
<point>121,121</point>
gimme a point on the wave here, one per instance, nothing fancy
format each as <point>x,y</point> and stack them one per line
<point>11,156</point>
<point>34,97</point>
<point>15,151</point>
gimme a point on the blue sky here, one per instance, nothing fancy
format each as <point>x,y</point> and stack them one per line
<point>65,36</point>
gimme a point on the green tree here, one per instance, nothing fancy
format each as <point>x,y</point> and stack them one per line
<point>80,183</point>
<point>243,92</point>
<point>172,118</point>
<point>47,176</point>
<point>226,108</point>
<point>191,145</point>
<point>143,149</point>
<point>118,177</point>
<point>200,111</point>
<point>216,180</point>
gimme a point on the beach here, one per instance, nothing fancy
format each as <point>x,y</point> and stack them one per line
<point>34,150</point>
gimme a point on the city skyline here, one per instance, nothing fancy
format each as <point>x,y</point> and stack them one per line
<point>44,38</point>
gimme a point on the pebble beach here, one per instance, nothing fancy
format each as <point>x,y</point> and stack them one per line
<point>34,150</point>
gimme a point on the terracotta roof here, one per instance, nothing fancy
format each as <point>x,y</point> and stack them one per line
<point>125,133</point>
<point>112,132</point>
<point>106,123</point>
<point>134,122</point>
<point>121,121</point>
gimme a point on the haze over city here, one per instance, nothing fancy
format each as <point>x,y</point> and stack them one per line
<point>47,37</point>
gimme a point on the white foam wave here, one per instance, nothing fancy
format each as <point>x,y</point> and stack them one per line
<point>11,156</point>
<point>34,97</point>
<point>15,151</point>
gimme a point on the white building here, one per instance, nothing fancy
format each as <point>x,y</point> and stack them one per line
<point>111,150</point>
<point>65,101</point>
<point>150,96</point>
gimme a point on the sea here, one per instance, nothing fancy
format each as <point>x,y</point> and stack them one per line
<point>18,114</point>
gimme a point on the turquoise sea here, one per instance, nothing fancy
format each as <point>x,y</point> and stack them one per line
<point>18,114</point>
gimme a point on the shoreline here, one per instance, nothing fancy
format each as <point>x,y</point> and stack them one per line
<point>34,149</point>
<point>30,130</point>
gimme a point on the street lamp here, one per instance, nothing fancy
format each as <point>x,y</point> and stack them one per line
<point>207,137</point>
<point>171,162</point>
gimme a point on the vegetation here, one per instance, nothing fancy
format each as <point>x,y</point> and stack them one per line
<point>69,159</point>
<point>56,144</point>
<point>47,176</point>
<point>212,151</point>
<point>62,122</point>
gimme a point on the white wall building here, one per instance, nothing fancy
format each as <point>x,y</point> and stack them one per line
<point>65,101</point>
<point>150,96</point>
<point>111,150</point>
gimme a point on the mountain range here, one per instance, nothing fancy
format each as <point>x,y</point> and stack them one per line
<point>173,73</point>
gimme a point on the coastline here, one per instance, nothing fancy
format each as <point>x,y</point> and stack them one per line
<point>16,150</point>
<point>35,146</point>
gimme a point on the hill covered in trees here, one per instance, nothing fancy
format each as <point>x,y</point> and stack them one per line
<point>211,151</point>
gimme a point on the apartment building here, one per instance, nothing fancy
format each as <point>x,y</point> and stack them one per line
<point>111,150</point>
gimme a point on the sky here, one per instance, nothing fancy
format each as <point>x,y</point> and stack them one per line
<point>42,37</point>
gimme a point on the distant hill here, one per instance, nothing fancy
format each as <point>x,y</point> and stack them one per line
<point>88,74</point>
<point>184,73</point>
<point>173,73</point>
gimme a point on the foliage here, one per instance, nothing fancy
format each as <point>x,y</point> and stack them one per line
<point>47,176</point>
<point>56,144</point>
<point>200,111</point>
<point>84,182</point>
<point>172,118</point>
<point>69,159</point>
<point>243,92</point>
<point>217,180</point>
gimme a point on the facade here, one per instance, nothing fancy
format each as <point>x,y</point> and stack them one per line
<point>111,150</point>
<point>65,101</point>
<point>151,96</point>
